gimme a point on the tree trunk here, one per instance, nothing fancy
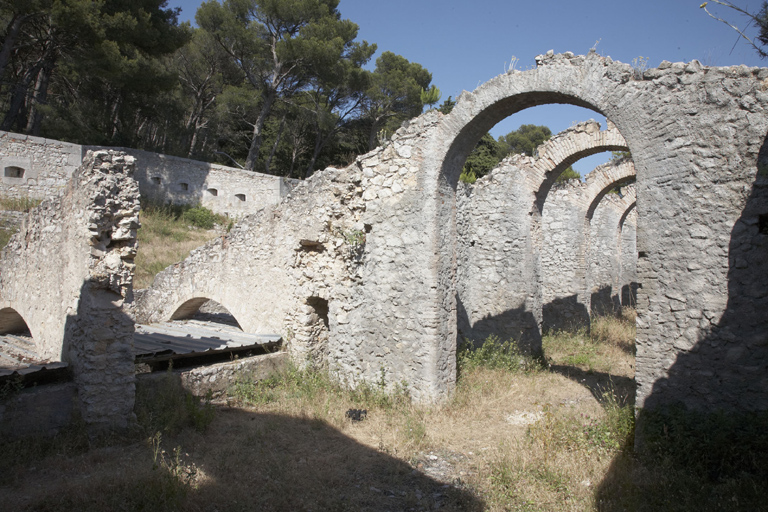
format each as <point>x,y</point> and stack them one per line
<point>14,26</point>
<point>39,98</point>
<point>14,115</point>
<point>253,151</point>
<point>274,146</point>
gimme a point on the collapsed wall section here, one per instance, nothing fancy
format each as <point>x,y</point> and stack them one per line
<point>68,273</point>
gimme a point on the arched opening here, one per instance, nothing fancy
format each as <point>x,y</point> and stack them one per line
<point>212,192</point>
<point>471,122</point>
<point>240,197</point>
<point>17,347</point>
<point>206,310</point>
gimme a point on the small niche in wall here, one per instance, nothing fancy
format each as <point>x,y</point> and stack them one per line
<point>240,196</point>
<point>184,187</point>
<point>13,171</point>
<point>212,192</point>
<point>156,180</point>
<point>762,224</point>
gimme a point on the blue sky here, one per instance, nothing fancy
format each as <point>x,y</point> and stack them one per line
<point>464,43</point>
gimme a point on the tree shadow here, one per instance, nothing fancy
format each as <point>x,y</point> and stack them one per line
<point>603,386</point>
<point>255,461</point>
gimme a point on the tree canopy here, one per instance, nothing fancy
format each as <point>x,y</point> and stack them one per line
<point>277,86</point>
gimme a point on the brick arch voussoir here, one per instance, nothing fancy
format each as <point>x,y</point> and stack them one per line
<point>603,179</point>
<point>588,82</point>
<point>630,208</point>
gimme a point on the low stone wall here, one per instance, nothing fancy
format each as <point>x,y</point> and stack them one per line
<point>216,379</point>
<point>68,275</point>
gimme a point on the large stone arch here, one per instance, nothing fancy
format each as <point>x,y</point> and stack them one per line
<point>628,244</point>
<point>498,229</point>
<point>606,255</point>
<point>381,242</point>
<point>566,250</point>
<point>665,117</point>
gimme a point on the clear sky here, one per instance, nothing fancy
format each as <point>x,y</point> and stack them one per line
<point>464,43</point>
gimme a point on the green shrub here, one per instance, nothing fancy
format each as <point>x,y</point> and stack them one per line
<point>493,354</point>
<point>201,217</point>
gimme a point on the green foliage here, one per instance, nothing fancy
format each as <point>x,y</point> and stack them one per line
<point>610,432</point>
<point>310,383</point>
<point>492,354</point>
<point>202,217</point>
<point>525,139</point>
<point>394,94</point>
<point>484,157</point>
<point>165,217</point>
<point>467,176</point>
<point>447,106</point>
<point>569,174</point>
<point>18,204</point>
<point>430,96</point>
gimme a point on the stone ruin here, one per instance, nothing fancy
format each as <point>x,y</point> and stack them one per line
<point>369,269</point>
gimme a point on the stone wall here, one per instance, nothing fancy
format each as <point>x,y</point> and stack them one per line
<point>67,276</point>
<point>40,168</point>
<point>695,134</point>
<point>607,256</point>
<point>359,268</point>
<point>225,190</point>
<point>522,269</point>
<point>35,167</point>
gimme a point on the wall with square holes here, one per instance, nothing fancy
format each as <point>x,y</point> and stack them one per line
<point>225,190</point>
<point>35,167</point>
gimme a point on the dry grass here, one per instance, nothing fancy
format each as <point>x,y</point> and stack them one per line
<point>18,204</point>
<point>534,437</point>
<point>164,239</point>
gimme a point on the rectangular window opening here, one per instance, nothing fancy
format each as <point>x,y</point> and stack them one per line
<point>13,171</point>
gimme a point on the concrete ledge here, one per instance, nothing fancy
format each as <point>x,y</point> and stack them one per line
<point>219,377</point>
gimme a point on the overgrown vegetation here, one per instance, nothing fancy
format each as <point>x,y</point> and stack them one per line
<point>14,204</point>
<point>168,233</point>
<point>516,435</point>
<point>18,204</point>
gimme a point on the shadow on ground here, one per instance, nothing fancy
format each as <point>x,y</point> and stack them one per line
<point>246,461</point>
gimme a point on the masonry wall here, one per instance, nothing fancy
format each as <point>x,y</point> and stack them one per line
<point>564,300</point>
<point>606,255</point>
<point>628,276</point>
<point>67,276</point>
<point>497,276</point>
<point>36,167</point>
<point>45,166</point>
<point>224,190</point>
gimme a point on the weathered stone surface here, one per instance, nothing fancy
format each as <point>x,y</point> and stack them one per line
<point>359,268</point>
<point>391,303</point>
<point>68,275</point>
